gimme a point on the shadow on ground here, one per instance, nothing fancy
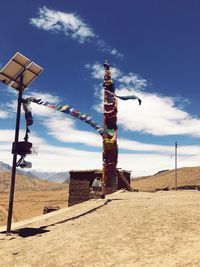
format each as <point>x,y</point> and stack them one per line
<point>29,231</point>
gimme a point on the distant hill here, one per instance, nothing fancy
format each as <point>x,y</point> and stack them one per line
<point>160,172</point>
<point>166,179</point>
<point>4,167</point>
<point>58,177</point>
<point>25,183</point>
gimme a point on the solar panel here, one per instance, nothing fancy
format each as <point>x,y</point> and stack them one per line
<point>17,66</point>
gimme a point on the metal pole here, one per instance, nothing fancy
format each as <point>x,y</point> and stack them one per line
<point>176,165</point>
<point>12,183</point>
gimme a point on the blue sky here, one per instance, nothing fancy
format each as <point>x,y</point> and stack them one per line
<point>153,49</point>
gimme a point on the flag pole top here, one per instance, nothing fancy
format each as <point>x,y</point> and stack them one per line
<point>106,65</point>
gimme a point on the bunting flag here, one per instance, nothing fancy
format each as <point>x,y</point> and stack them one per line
<point>67,110</point>
<point>127,97</point>
<point>28,117</point>
<point>23,148</point>
<point>110,110</point>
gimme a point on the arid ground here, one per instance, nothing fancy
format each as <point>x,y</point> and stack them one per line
<point>31,195</point>
<point>31,204</point>
<point>130,229</point>
<point>185,176</point>
<point>142,229</point>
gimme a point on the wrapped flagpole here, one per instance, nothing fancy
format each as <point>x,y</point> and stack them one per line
<point>110,148</point>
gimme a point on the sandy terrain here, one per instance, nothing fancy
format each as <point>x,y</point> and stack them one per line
<point>132,229</point>
<point>185,176</point>
<point>31,195</point>
<point>25,183</point>
<point>30,204</point>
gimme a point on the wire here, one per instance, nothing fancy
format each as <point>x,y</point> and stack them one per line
<point>189,156</point>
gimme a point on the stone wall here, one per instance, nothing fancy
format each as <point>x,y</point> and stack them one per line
<point>80,185</point>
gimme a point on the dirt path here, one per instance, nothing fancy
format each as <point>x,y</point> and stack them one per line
<point>133,229</point>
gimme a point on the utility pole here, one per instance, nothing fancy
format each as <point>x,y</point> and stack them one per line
<point>18,73</point>
<point>176,165</point>
<point>12,183</point>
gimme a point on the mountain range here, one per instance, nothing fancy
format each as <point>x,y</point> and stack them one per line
<point>168,179</point>
<point>58,177</point>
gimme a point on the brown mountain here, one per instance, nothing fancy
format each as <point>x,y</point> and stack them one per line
<point>185,176</point>
<point>25,183</point>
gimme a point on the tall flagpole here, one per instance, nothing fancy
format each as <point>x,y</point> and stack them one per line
<point>110,148</point>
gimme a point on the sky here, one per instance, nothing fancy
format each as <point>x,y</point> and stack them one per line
<point>153,49</point>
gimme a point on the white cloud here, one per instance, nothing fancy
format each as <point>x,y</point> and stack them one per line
<point>52,98</point>
<point>7,136</point>
<point>3,114</point>
<point>146,117</point>
<point>149,164</point>
<point>133,80</point>
<point>38,110</point>
<point>55,158</point>
<point>64,129</point>
<point>158,112</point>
<point>69,23</point>
<point>144,147</point>
<point>60,126</point>
<point>98,71</point>
<point>72,26</point>
<point>51,158</point>
<point>158,115</point>
<point>104,47</point>
<point>183,150</point>
<point>42,111</point>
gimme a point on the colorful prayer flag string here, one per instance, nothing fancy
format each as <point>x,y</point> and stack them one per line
<point>66,109</point>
